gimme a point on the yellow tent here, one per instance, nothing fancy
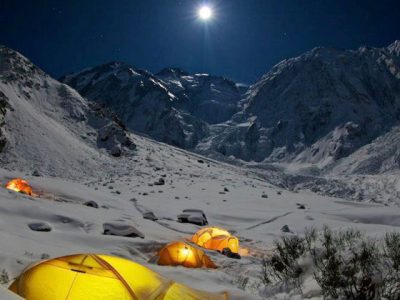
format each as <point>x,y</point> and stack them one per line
<point>180,253</point>
<point>215,238</point>
<point>100,277</point>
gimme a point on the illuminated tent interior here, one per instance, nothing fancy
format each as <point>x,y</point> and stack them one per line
<point>100,277</point>
<point>215,238</point>
<point>182,254</point>
<point>20,185</point>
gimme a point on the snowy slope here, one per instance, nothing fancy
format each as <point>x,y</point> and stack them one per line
<point>47,125</point>
<point>123,194</point>
<point>382,155</point>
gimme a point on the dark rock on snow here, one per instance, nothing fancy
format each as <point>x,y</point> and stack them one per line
<point>91,203</point>
<point>149,215</point>
<point>285,228</point>
<point>36,173</point>
<point>227,252</point>
<point>40,226</point>
<point>300,206</point>
<point>121,230</point>
<point>160,181</point>
<point>193,216</point>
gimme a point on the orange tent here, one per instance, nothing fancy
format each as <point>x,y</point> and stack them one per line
<point>203,235</point>
<point>215,238</point>
<point>220,243</point>
<point>182,254</point>
<point>20,185</point>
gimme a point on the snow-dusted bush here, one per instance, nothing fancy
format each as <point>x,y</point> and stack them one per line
<point>344,264</point>
<point>391,266</point>
<point>4,278</point>
<point>284,266</point>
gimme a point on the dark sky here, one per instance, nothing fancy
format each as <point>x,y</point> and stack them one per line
<point>243,41</point>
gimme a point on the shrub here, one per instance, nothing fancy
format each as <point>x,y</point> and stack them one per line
<point>4,278</point>
<point>283,266</point>
<point>345,264</point>
<point>391,267</point>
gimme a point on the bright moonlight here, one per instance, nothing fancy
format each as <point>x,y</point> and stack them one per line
<point>205,12</point>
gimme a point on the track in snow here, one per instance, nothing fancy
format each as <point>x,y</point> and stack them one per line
<point>269,221</point>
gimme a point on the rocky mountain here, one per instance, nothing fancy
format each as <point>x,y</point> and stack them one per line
<point>212,99</point>
<point>141,100</point>
<point>42,119</point>
<point>172,106</point>
<point>382,155</point>
<point>316,108</point>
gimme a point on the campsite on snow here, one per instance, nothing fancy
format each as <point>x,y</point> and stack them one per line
<point>120,183</point>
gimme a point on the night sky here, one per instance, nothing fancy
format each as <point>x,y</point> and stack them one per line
<point>243,40</point>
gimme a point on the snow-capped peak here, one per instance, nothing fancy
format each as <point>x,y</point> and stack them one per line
<point>394,48</point>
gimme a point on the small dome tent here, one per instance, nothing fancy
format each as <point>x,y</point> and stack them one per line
<point>215,238</point>
<point>100,277</point>
<point>205,234</point>
<point>220,243</point>
<point>20,185</point>
<point>182,254</point>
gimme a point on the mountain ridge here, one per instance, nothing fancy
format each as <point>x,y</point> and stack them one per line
<point>316,108</point>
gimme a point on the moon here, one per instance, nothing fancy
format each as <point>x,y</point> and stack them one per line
<point>205,12</point>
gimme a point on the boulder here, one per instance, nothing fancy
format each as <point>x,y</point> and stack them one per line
<point>228,253</point>
<point>301,206</point>
<point>161,181</point>
<point>40,226</point>
<point>149,215</point>
<point>91,203</point>
<point>36,173</point>
<point>193,216</point>
<point>121,230</point>
<point>285,228</point>
<point>116,151</point>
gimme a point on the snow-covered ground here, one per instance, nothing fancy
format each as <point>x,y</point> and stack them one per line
<point>50,129</point>
<point>124,193</point>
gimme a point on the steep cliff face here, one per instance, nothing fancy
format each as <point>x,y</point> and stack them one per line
<point>3,111</point>
<point>316,108</point>
<point>140,100</point>
<point>212,99</point>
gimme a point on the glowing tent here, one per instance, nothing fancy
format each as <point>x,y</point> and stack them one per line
<point>20,185</point>
<point>100,277</point>
<point>182,254</point>
<point>220,243</point>
<point>215,238</point>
